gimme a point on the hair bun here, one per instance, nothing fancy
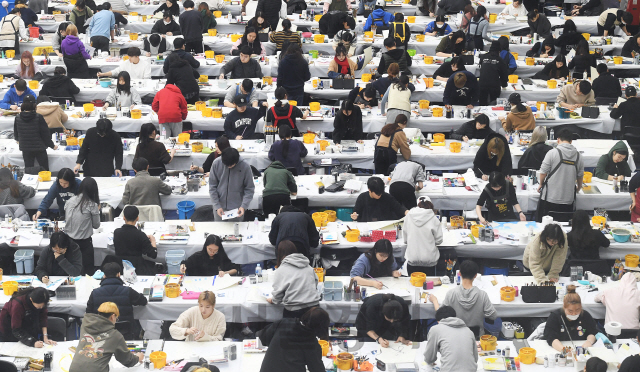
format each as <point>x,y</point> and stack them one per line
<point>571,289</point>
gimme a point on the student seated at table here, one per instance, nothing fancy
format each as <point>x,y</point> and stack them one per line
<point>545,254</point>
<point>569,38</point>
<point>65,186</point>
<point>52,113</point>
<point>61,258</point>
<point>377,262</point>
<point>168,6</point>
<point>341,66</point>
<point>543,49</point>
<point>136,67</point>
<point>363,97</point>
<point>155,44</point>
<point>394,55</point>
<point>143,189</point>
<point>377,205</point>
<point>493,156</point>
<point>245,89</point>
<point>407,178</point>
<point>242,67</point>
<point>384,319</point>
<point>153,151</point>
<point>614,163</point>
<point>100,340</point>
<point>631,47</point>
<point>32,134</point>
<point>520,117</point>
<point>347,38</point>
<point>585,242</point>
<point>449,68</point>
<point>259,23</point>
<point>623,304</point>
<point>422,234</point>
<point>628,111</point>
<point>438,27</point>
<point>79,16</point>
<point>461,89</point>
<point>27,68</point>
<point>570,323</point>
<point>279,185</point>
<point>515,9</point>
<point>452,45</point>
<point>124,95</point>
<point>499,196</point>
<point>576,95</point>
<point>211,260</point>
<point>231,184</point>
<point>583,60</point>
<point>13,97</point>
<point>130,243</point>
<point>535,153</point>
<point>285,36</point>
<point>610,18</point>
<point>282,113</point>
<point>398,96</point>
<point>166,26</point>
<point>112,289</point>
<point>24,318</point>
<point>538,24</point>
<point>82,215</point>
<point>453,340</point>
<point>241,122</point>
<point>590,8</point>
<point>296,226</point>
<point>392,138</point>
<point>293,343</point>
<point>288,151</point>
<point>59,85</point>
<point>606,85</point>
<point>250,39</point>
<point>556,69</point>
<point>294,282</point>
<point>200,323</point>
<point>379,18</point>
<point>494,75</point>
<point>180,51</point>
<point>508,58</point>
<point>13,191</point>
<point>470,303</point>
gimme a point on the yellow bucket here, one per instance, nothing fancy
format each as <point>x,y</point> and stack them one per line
<point>424,104</point>
<point>308,138</point>
<point>235,37</point>
<point>320,219</point>
<point>200,105</point>
<point>203,79</point>
<point>366,78</point>
<point>136,114</point>
<point>428,82</point>
<point>599,221</point>
<point>324,345</point>
<point>527,355</point>
<point>411,19</point>
<point>267,80</point>
<point>209,54</point>
<point>144,18</point>
<point>314,106</point>
<point>438,137</point>
<point>293,103</point>
<point>73,2</point>
<point>515,55</point>
<point>323,144</point>
<point>344,361</point>
<point>197,147</point>
<point>9,287</point>
<point>172,290</point>
<point>317,17</point>
<point>616,60</point>
<point>88,107</point>
<point>318,38</point>
<point>217,14</point>
<point>368,34</point>
<point>133,14</point>
<point>34,84</point>
<point>530,61</point>
<point>552,84</point>
<point>331,215</point>
<point>212,32</point>
<point>513,79</point>
<point>184,137</point>
<point>493,17</point>
<point>219,58</point>
<point>207,112</point>
<point>320,273</point>
<point>428,60</point>
<point>80,140</point>
<point>44,176</point>
<point>417,279</point>
<point>507,294</point>
<point>159,359</point>
<point>133,36</point>
<point>437,112</point>
<point>217,113</point>
<point>475,230</point>
<point>631,260</point>
<point>10,53</point>
<point>72,141</point>
<point>455,146</point>
<point>420,38</point>
<point>1,78</point>
<point>586,36</point>
<point>586,177</point>
<point>353,235</point>
<point>488,343</point>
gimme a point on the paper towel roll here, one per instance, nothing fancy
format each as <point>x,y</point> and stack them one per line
<point>518,182</point>
<point>613,328</point>
<point>547,220</point>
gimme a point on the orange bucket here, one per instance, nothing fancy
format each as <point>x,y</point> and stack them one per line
<point>488,342</point>
<point>530,61</point>
<point>438,137</point>
<point>368,34</point>
<point>207,112</point>
<point>197,147</point>
<point>552,84</point>
<point>599,221</point>
<point>88,107</point>
<point>586,177</point>
<point>317,17</point>
<point>457,222</point>
<point>428,60</point>
<point>219,58</point>
<point>344,361</point>
<point>10,53</point>
<point>437,112</point>
<point>203,79</point>
<point>428,82</point>
<point>586,36</point>
<point>293,103</point>
<point>507,294</point>
<point>527,355</point>
<point>424,104</point>
<point>267,80</point>
<point>320,273</point>
<point>72,141</point>
<point>513,79</point>
<point>212,32</point>
<point>133,36</point>
<point>325,346</point>
<point>184,137</point>
<point>172,290</point>
<point>159,359</point>
<point>217,113</point>
<point>455,146</point>
<point>417,279</point>
<point>366,78</point>
<point>475,230</point>
<point>200,105</point>
<point>217,14</point>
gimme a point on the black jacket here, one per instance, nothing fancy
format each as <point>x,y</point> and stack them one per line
<point>542,26</point>
<point>494,72</point>
<point>628,112</point>
<point>239,70</point>
<point>160,28</point>
<point>555,325</point>
<point>200,264</point>
<point>174,10</point>
<point>469,130</point>
<point>483,165</point>
<point>446,71</point>
<point>606,85</point>
<point>582,63</point>
<point>60,86</point>
<point>551,71</point>
<point>586,246</point>
<point>294,226</point>
<point>399,56</point>
<point>98,153</point>
<point>348,127</point>
<point>331,23</point>
<point>533,157</point>
<point>31,131</point>
<point>454,6</point>
<point>68,264</point>
<point>293,72</point>
<point>567,41</point>
<point>270,11</point>
<point>356,95</point>
<point>243,123</point>
<point>155,152</point>
<point>191,25</point>
<point>130,244</point>
<point>386,208</point>
<point>630,46</point>
<point>292,347</point>
<point>114,290</point>
<point>371,318</point>
<point>184,77</point>
<point>536,50</point>
<point>182,54</point>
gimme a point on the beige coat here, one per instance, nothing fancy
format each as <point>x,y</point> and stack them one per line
<point>333,66</point>
<point>540,259</point>
<point>53,114</point>
<point>399,142</point>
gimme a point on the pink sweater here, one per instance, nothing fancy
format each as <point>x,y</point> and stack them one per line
<point>622,302</point>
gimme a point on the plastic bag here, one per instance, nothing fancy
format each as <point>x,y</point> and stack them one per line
<point>129,272</point>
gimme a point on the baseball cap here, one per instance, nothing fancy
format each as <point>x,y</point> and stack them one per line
<point>29,98</point>
<point>240,100</point>
<point>630,91</point>
<point>380,3</point>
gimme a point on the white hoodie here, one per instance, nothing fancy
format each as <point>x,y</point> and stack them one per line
<point>295,283</point>
<point>422,233</point>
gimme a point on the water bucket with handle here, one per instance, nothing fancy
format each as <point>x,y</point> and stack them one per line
<point>530,61</point>
<point>34,32</point>
<point>513,79</point>
<point>186,209</point>
<point>493,17</point>
<point>34,84</point>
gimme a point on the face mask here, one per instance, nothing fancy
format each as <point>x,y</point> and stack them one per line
<point>166,23</point>
<point>572,317</point>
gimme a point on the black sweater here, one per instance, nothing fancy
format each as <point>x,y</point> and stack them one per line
<point>499,211</point>
<point>399,56</point>
<point>155,153</point>
<point>356,95</point>
<point>200,264</point>
<point>174,10</point>
<point>494,72</point>
<point>582,63</point>
<point>482,164</point>
<point>541,26</point>
<point>568,41</point>
<point>31,131</point>
<point>628,112</point>
<point>586,245</point>
<point>536,50</point>
<point>630,46</point>
<point>243,123</point>
<point>533,157</point>
<point>469,130</point>
<point>182,75</point>
<point>348,127</point>
<point>606,85</point>
<point>60,86</point>
<point>291,347</point>
<point>191,25</point>
<point>98,153</point>
<point>371,318</point>
<point>446,71</point>
<point>130,244</point>
<point>160,28</point>
<point>386,208</point>
<point>555,325</point>
<point>293,72</point>
<point>551,71</point>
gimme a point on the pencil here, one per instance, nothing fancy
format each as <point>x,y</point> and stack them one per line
<point>376,280</point>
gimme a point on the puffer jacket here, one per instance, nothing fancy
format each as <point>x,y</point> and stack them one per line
<point>31,132</point>
<point>114,290</point>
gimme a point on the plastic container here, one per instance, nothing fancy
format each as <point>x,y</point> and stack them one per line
<point>353,235</point>
<point>314,106</point>
<point>217,14</point>
<point>159,359</point>
<point>320,218</point>
<point>428,82</point>
<point>438,137</point>
<point>475,230</point>
<point>598,221</point>
<point>314,54</point>
<point>331,215</point>
<point>219,58</point>
<point>212,32</point>
<point>344,214</point>
<point>507,294</point>
<point>10,53</point>
<point>136,114</point>
<point>586,36</point>
<point>44,176</point>
<point>631,260</point>
<point>320,273</point>
<point>622,236</point>
<point>207,112</point>
<point>217,113</point>
<point>317,17</point>
<point>293,103</point>
<point>428,60</point>
<point>325,346</point>
<point>34,32</point>
<point>235,37</point>
<point>186,209</point>
<point>209,54</point>
<point>309,138</point>
<point>411,52</point>
<point>172,290</point>
<point>9,287</point>
<point>455,147</point>
<point>530,61</point>
<point>24,261</point>
<point>437,112</point>
<point>366,78</point>
<point>323,144</point>
<point>411,19</point>
<point>318,38</point>
<point>203,79</point>
<point>513,79</point>
<point>515,55</point>
<point>493,17</point>
<point>617,60</point>
<point>552,84</point>
<point>34,84</point>
<point>527,355</point>
<point>368,34</point>
<point>200,104</point>
<point>424,104</point>
<point>586,177</point>
<point>105,83</point>
<point>173,258</point>
<point>344,361</point>
<point>133,36</point>
<point>197,146</point>
<point>489,342</point>
<point>417,279</point>
<point>420,38</point>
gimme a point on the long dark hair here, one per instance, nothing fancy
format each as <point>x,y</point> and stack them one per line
<point>317,320</point>
<point>104,126</point>
<point>391,128</point>
<point>391,308</point>
<point>284,132</point>
<point>62,27</point>
<point>247,31</point>
<point>221,256</point>
<point>569,26</point>
<point>381,246</point>
<point>37,295</point>
<point>7,181</point>
<point>68,175</point>
<point>504,43</point>
<point>293,50</point>
<point>126,88</point>
<point>286,27</point>
<point>552,231</point>
<point>280,94</point>
<point>581,229</point>
<point>515,99</point>
<point>582,48</point>
<point>481,11</point>
<point>145,132</point>
<point>403,83</point>
<point>89,190</point>
<point>285,248</point>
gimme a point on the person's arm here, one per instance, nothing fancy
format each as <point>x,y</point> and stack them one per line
<point>179,328</point>
<point>280,287</point>
<point>17,330</point>
<point>122,352</point>
<point>148,247</point>
<point>558,261</point>
<point>488,308</point>
<point>218,331</point>
<point>383,103</point>
<point>135,96</point>
<point>405,150</point>
<point>535,262</point>
<point>609,23</point>
<point>291,183</point>
<point>48,199</point>
<point>552,330</point>
<point>600,171</point>
<point>95,216</point>
<point>266,335</point>
<point>213,190</point>
<point>602,240</point>
<point>72,264</point>
<point>126,195</point>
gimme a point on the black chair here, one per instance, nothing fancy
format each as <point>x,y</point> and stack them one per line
<point>605,101</point>
<point>62,100</point>
<point>57,328</point>
<point>631,135</point>
<point>7,366</point>
<point>156,171</point>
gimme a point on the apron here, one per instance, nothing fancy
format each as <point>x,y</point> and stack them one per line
<point>15,44</point>
<point>574,163</point>
<point>384,157</point>
<point>498,206</point>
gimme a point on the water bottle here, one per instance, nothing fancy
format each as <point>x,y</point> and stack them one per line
<point>163,133</point>
<point>6,218</point>
<point>229,16</point>
<point>562,14</point>
<point>256,228</point>
<point>258,270</point>
<point>551,135</point>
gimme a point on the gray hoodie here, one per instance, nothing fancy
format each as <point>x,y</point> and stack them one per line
<point>231,188</point>
<point>561,186</point>
<point>472,305</point>
<point>422,233</point>
<point>456,344</point>
<point>79,222</point>
<point>409,172</point>
<point>295,283</point>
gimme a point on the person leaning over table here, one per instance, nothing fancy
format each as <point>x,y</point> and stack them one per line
<point>293,73</point>
<point>270,10</point>
<point>536,151</point>
<point>154,151</point>
<point>628,111</point>
<point>13,191</point>
<point>478,27</point>
<point>499,196</point>
<point>200,323</point>
<point>392,138</point>
<point>285,36</point>
<point>13,97</point>
<point>79,15</point>
<point>12,30</point>
<point>259,23</point>
<point>250,39</point>
<point>453,340</point>
<point>393,73</point>
<point>348,38</point>
<point>543,49</point>
<point>296,226</point>
<point>124,95</point>
<point>494,75</point>
<point>154,45</point>
<point>191,27</point>
<point>585,241</point>
<point>384,318</point>
<point>211,260</point>
<point>376,262</point>
<point>293,343</point>
<point>556,69</point>
<point>422,234</point>
<point>493,156</point>
<point>576,95</point>
<point>166,26</point>
<point>606,85</point>
<point>294,282</point>
<point>241,122</point>
<point>178,45</point>
<point>569,39</point>
<point>24,317</point>
<point>545,254</point>
<point>168,6</point>
<point>506,55</point>
<point>520,117</point>
<point>101,146</point>
<point>394,55</point>
<point>60,85</point>
<point>332,23</point>
<point>246,89</point>
<point>631,47</point>
<point>571,323</point>
<point>477,128</point>
<point>82,215</point>
<point>53,114</point>
<point>538,24</point>
<point>57,38</point>
<point>185,77</point>
<point>288,151</point>
<point>65,186</point>
<point>130,243</point>
<point>583,61</point>
<point>590,8</point>
<point>398,96</point>
<point>102,27</point>
<point>144,189</point>
<point>451,45</point>
<point>614,163</point>
<point>363,97</point>
<point>242,67</point>
<point>341,66</point>
<point>610,18</point>
<point>231,185</point>
<point>171,107</point>
<point>347,124</point>
<point>279,185</point>
<point>377,205</point>
<point>100,340</point>
<point>438,27</point>
<point>207,17</point>
<point>222,143</point>
<point>378,17</point>
<point>406,179</point>
<point>32,134</point>
<point>449,68</point>
<point>61,258</point>
<point>136,67</point>
<point>461,89</point>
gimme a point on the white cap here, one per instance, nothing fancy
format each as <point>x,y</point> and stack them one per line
<point>380,3</point>
<point>425,198</point>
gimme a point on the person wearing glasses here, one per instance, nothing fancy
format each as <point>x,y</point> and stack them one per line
<point>61,258</point>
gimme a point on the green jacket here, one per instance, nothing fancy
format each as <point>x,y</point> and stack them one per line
<point>606,167</point>
<point>207,22</point>
<point>278,180</point>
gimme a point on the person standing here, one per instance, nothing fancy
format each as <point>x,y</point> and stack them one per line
<point>32,134</point>
<point>100,148</point>
<point>288,151</point>
<point>184,76</point>
<point>392,138</point>
<point>143,189</point>
<point>79,15</point>
<point>58,37</point>
<point>65,186</point>
<point>231,185</point>
<point>191,27</point>
<point>270,10</point>
<point>153,150</point>
<point>102,28</point>
<point>535,153</point>
<point>171,107</point>
<point>12,30</point>
<point>422,234</point>
<point>606,85</point>
<point>398,96</point>
<point>406,179</point>
<point>283,113</point>
<point>494,75</point>
<point>293,72</point>
<point>538,24</point>
<point>296,226</point>
<point>52,113</point>
<point>75,54</point>
<point>461,89</point>
<point>279,185</point>
<point>82,215</point>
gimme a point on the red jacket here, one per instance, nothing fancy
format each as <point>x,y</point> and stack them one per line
<point>174,106</point>
<point>15,325</point>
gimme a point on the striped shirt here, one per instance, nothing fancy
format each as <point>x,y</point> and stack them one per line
<point>280,37</point>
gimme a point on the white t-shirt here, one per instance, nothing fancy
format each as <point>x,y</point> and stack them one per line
<point>513,11</point>
<point>141,70</point>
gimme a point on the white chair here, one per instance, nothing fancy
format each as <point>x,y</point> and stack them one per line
<point>149,213</point>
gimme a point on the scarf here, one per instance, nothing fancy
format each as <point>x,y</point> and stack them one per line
<point>343,65</point>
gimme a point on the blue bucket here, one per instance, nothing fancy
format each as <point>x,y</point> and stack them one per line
<point>186,209</point>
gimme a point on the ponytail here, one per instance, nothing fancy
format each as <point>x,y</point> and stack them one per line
<point>284,132</point>
<point>280,94</point>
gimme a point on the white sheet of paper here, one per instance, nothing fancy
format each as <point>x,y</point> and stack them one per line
<point>230,214</point>
<point>225,282</point>
<point>397,353</point>
<point>29,240</point>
